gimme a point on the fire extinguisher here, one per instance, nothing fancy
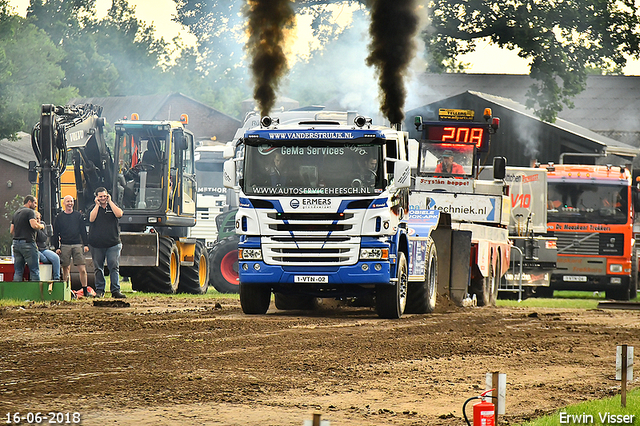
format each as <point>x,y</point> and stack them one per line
<point>483,412</point>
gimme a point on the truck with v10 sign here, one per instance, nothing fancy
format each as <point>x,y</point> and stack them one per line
<point>534,253</point>
<point>323,209</point>
<point>446,180</point>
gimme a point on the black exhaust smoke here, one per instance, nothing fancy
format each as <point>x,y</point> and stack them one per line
<point>268,22</point>
<point>394,24</point>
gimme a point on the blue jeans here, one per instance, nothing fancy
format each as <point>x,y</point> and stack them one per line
<point>112,255</point>
<point>24,252</point>
<point>48,256</point>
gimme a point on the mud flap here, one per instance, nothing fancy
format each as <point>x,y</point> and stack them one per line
<point>454,251</point>
<point>139,249</point>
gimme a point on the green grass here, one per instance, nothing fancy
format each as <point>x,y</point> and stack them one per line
<point>562,299</point>
<point>211,293</point>
<point>595,408</point>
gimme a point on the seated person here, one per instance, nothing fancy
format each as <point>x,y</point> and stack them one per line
<point>46,255</point>
<point>447,165</point>
<point>277,172</point>
<point>368,170</point>
<point>154,170</point>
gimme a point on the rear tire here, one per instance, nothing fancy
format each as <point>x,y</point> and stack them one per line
<point>487,290</point>
<point>255,299</point>
<point>195,279</point>
<point>223,262</point>
<point>421,296</point>
<point>391,300</point>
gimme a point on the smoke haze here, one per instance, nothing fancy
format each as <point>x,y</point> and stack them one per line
<point>394,24</point>
<point>268,23</point>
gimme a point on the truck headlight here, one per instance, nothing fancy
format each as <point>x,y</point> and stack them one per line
<point>374,253</point>
<point>250,254</point>
<point>615,268</point>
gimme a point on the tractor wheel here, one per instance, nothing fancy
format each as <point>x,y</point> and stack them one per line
<point>421,296</point>
<point>223,261</point>
<point>165,277</point>
<point>195,279</point>
<point>391,299</point>
<point>255,299</point>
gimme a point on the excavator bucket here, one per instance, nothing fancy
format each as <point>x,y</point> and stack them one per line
<point>139,249</point>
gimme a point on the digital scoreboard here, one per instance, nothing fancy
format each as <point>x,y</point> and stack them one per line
<point>458,132</point>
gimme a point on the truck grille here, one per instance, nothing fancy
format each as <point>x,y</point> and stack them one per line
<point>590,244</point>
<point>309,251</point>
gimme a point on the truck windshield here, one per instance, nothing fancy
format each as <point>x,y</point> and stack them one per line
<point>339,170</point>
<point>573,202</point>
<point>209,165</point>
<point>446,158</point>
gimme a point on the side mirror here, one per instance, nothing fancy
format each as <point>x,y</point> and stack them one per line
<point>402,174</point>
<point>499,168</point>
<point>229,174</point>
<point>33,173</point>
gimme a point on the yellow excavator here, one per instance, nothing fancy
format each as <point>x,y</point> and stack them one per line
<point>150,174</point>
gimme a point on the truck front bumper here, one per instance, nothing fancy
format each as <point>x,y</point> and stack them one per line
<point>362,273</point>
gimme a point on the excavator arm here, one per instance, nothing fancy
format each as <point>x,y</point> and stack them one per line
<point>78,129</point>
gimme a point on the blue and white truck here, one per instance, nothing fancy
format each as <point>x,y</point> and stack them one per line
<point>323,209</point>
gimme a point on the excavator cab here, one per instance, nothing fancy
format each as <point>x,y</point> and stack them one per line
<point>155,172</point>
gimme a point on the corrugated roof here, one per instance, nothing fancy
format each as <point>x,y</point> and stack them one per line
<point>17,152</point>
<point>609,102</point>
<point>611,146</point>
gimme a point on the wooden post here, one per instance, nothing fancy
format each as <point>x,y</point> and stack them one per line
<point>495,384</point>
<point>316,419</point>
<point>623,387</point>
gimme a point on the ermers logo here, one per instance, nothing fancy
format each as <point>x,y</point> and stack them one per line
<point>295,203</point>
<point>316,203</point>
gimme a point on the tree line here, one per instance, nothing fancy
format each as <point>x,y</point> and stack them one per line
<point>61,50</point>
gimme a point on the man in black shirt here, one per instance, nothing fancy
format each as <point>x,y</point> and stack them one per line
<point>104,239</point>
<point>71,241</point>
<point>23,229</point>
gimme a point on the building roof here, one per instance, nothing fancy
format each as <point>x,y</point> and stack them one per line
<point>609,102</point>
<point>206,122</point>
<point>17,152</point>
<point>603,143</point>
<point>147,107</point>
<point>522,136</point>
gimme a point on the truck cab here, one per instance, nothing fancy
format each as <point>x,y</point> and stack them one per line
<point>321,213</point>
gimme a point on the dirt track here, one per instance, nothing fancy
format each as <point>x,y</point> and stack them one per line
<point>190,362</point>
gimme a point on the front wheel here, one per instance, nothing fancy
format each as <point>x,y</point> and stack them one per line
<point>391,300</point>
<point>255,299</point>
<point>195,279</point>
<point>421,296</point>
